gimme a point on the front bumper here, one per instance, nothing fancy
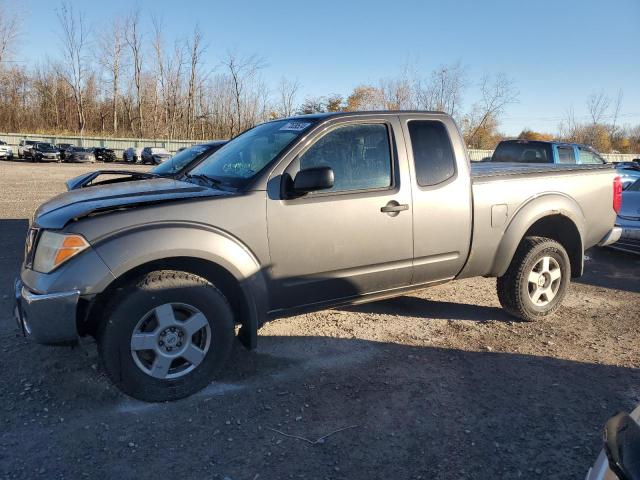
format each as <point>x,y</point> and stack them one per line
<point>49,159</point>
<point>46,318</point>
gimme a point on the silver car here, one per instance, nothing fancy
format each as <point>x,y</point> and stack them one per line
<point>620,458</point>
<point>79,155</point>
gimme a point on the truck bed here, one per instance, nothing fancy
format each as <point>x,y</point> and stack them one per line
<point>498,169</point>
<point>504,192</point>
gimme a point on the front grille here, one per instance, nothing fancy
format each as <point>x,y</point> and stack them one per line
<point>30,246</point>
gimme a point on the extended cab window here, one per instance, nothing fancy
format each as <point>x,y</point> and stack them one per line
<point>359,155</point>
<point>566,155</point>
<point>589,156</point>
<point>432,152</point>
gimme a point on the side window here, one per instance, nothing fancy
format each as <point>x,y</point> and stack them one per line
<point>432,152</point>
<point>588,156</point>
<point>360,156</point>
<point>566,155</point>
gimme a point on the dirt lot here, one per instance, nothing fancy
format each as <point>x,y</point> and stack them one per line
<point>439,384</point>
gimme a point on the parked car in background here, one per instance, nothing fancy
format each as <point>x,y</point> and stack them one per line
<point>629,220</point>
<point>629,172</point>
<point>132,155</point>
<point>6,151</point>
<point>44,152</point>
<point>172,168</point>
<point>24,148</point>
<point>298,214</point>
<point>620,457</point>
<point>536,151</point>
<point>155,155</point>
<point>63,147</point>
<point>79,155</point>
<point>187,158</point>
<point>104,154</point>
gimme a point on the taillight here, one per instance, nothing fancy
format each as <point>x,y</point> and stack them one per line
<point>617,194</point>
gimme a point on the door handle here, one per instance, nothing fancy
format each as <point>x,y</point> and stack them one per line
<point>394,208</point>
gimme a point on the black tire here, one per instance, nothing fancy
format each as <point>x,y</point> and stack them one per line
<point>514,286</point>
<point>132,303</point>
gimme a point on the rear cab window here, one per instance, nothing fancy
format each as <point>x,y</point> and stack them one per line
<point>433,155</point>
<point>523,152</point>
<point>566,154</point>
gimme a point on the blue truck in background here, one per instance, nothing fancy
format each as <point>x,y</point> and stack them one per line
<point>538,151</point>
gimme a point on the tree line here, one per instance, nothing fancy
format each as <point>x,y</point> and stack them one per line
<point>126,79</point>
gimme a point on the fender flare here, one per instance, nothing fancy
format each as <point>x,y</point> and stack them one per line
<point>530,212</point>
<point>128,249</point>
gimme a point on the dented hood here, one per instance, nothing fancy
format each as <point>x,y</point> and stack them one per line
<point>60,210</point>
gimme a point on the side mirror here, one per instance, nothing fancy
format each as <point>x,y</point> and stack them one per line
<point>312,179</point>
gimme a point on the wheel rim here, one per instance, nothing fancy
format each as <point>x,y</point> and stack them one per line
<point>544,281</point>
<point>170,340</point>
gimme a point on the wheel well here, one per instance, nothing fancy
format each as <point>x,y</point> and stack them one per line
<point>564,231</point>
<point>89,311</point>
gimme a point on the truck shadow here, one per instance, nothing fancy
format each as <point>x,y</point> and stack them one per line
<point>504,415</point>
<point>432,309</point>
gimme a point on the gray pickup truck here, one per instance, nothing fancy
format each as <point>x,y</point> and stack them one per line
<point>294,215</point>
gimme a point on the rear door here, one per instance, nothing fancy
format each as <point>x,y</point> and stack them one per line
<point>342,243</point>
<point>442,215</point>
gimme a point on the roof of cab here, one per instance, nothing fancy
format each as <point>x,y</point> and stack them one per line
<point>323,115</point>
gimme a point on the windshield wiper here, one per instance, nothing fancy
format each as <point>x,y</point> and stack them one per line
<point>205,178</point>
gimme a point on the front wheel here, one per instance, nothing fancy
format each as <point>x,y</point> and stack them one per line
<point>165,336</point>
<point>537,279</point>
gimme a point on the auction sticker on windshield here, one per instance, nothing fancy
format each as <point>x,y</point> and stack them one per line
<point>294,126</point>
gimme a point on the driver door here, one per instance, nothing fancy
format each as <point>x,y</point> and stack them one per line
<point>332,245</point>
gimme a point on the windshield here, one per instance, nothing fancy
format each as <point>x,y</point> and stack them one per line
<point>244,156</point>
<point>45,147</point>
<point>183,158</point>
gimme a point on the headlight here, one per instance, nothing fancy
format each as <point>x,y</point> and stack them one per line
<point>54,249</point>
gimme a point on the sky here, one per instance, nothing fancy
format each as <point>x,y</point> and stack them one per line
<point>556,52</point>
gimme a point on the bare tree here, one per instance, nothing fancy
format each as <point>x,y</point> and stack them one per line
<point>443,90</point>
<point>133,37</point>
<point>242,72</point>
<point>195,53</point>
<point>74,66</point>
<point>496,94</point>
<point>617,106</point>
<point>568,127</point>
<point>287,92</point>
<point>10,28</point>
<point>597,106</point>
<point>110,56</point>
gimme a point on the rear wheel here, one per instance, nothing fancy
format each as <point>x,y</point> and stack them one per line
<point>537,279</point>
<point>165,336</point>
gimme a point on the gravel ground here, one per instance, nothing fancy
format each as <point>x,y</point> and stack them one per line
<point>437,384</point>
